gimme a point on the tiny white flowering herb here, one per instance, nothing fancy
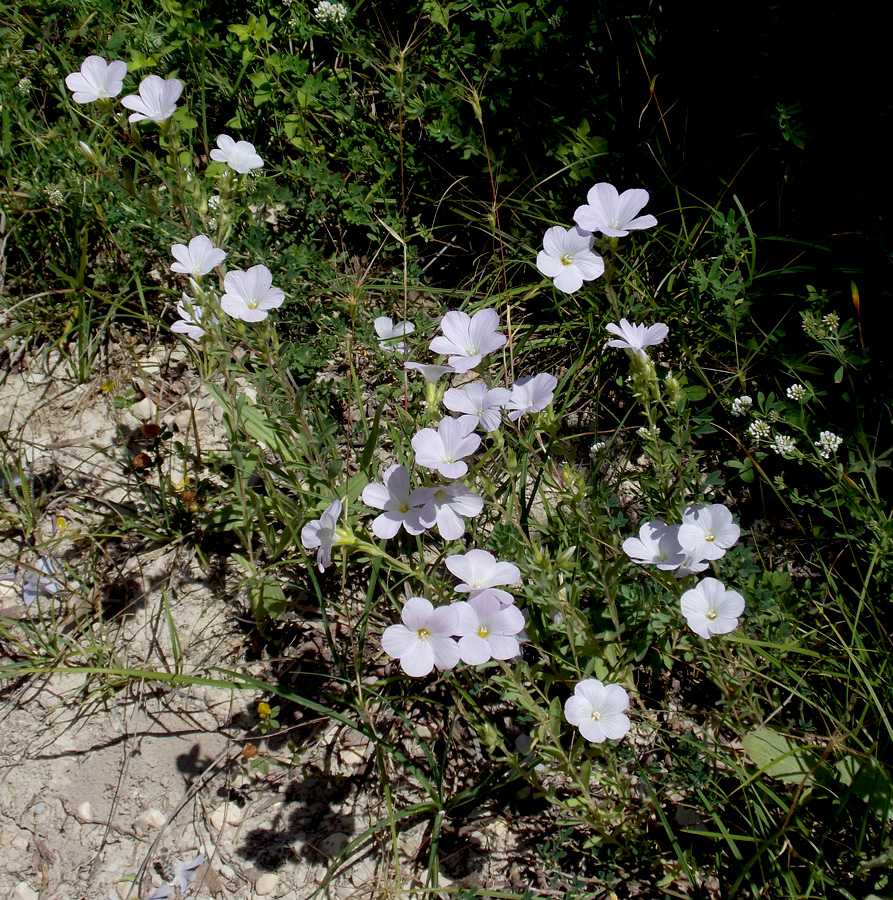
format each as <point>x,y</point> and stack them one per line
<point>759,430</point>
<point>783,445</point>
<point>828,443</point>
<point>742,405</point>
<point>796,392</point>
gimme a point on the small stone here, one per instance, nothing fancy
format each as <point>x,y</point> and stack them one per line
<point>39,808</point>
<point>332,845</point>
<point>84,813</point>
<point>266,884</point>
<point>226,814</point>
<point>22,891</point>
<point>19,842</point>
<point>224,871</point>
<point>152,818</point>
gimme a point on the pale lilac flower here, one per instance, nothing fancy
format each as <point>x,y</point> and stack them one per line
<point>156,100</point>
<point>711,609</point>
<point>479,404</point>
<point>657,544</point>
<point>432,374</point>
<point>598,710</point>
<point>322,533</point>
<point>480,571</point>
<point>389,334</point>
<point>452,504</point>
<point>443,449</point>
<point>162,892</point>
<point>707,532</point>
<point>531,395</point>
<point>568,259</point>
<point>424,640</point>
<point>240,156</point>
<point>250,295</point>
<point>690,565</point>
<point>97,80</point>
<point>637,337</point>
<point>193,318</point>
<point>197,259</point>
<point>39,580</point>
<point>468,339</point>
<point>185,874</point>
<point>414,510</point>
<point>611,214</point>
<point>486,629</point>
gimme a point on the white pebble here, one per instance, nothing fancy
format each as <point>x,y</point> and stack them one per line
<point>152,818</point>
<point>84,812</point>
<point>266,884</point>
<point>22,891</point>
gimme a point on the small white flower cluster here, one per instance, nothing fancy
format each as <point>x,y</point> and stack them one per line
<point>742,405</point>
<point>705,534</point>
<point>796,392</point>
<point>783,444</point>
<point>596,448</point>
<point>828,443</point>
<point>567,257</point>
<point>331,13</point>
<point>759,430</point>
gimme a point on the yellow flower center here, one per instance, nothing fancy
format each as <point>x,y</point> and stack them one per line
<point>423,634</point>
<point>710,537</point>
<point>711,614</point>
<point>596,715</point>
<point>483,631</point>
<point>251,304</point>
<point>566,260</point>
<point>404,508</point>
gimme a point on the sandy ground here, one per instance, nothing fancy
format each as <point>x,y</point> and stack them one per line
<point>105,789</point>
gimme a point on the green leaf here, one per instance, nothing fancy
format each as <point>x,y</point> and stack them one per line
<point>779,756</point>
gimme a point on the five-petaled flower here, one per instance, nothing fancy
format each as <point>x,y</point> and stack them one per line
<point>453,503</point>
<point>468,339</point>
<point>390,334</point>
<point>424,640</point>
<point>637,337</point>
<point>198,258</point>
<point>411,509</point>
<point>568,259</point>
<point>478,404</point>
<point>193,318</point>
<point>480,570</point>
<point>598,710</point>
<point>531,395</point>
<point>240,156</point>
<point>443,449</point>
<point>707,532</point>
<point>156,100</point>
<point>711,609</point>
<point>250,295</point>
<point>487,629</point>
<point>612,214</point>
<point>97,80</point>
<point>657,544</point>
<point>432,373</point>
<point>322,533</point>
